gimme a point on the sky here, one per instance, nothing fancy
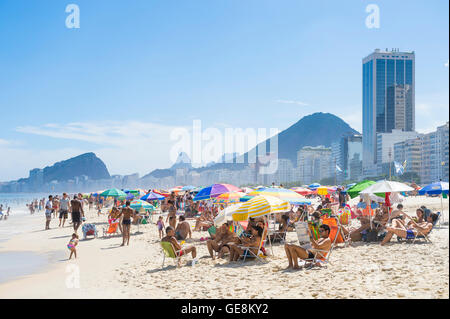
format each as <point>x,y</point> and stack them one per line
<point>137,71</point>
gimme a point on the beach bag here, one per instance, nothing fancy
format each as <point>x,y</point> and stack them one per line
<point>372,236</point>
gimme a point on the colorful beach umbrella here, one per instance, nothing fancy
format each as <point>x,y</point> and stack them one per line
<point>259,206</point>
<point>161,192</point>
<point>314,186</point>
<point>229,198</point>
<point>138,204</point>
<point>302,191</point>
<point>113,192</point>
<point>434,189</point>
<point>325,190</point>
<point>188,188</point>
<point>284,194</point>
<point>354,190</point>
<point>214,191</point>
<point>152,196</point>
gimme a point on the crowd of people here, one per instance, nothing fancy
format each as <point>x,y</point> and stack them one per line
<point>225,240</point>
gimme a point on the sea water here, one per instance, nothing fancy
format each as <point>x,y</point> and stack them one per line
<point>16,264</point>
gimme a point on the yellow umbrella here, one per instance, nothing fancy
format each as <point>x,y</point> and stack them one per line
<point>229,198</point>
<point>259,206</point>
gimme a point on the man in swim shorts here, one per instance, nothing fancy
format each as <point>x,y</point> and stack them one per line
<point>183,229</point>
<point>77,212</point>
<point>180,251</point>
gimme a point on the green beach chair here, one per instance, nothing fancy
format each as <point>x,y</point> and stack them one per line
<point>170,252</point>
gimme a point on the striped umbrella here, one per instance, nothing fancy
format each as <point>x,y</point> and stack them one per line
<point>215,190</point>
<point>259,206</point>
<point>325,190</point>
<point>283,194</point>
<point>152,196</point>
<point>161,192</point>
<point>229,198</point>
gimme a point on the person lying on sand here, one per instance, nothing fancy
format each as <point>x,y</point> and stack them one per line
<point>411,230</point>
<point>253,241</point>
<point>379,222</point>
<point>170,237</point>
<point>183,229</point>
<point>293,252</point>
<point>221,242</point>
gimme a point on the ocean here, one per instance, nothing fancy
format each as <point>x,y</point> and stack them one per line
<point>17,264</point>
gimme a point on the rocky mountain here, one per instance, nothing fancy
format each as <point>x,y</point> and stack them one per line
<point>87,164</point>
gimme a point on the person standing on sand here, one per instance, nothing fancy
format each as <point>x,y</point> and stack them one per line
<point>127,213</point>
<point>64,205</point>
<point>72,246</point>
<point>77,212</point>
<point>48,212</point>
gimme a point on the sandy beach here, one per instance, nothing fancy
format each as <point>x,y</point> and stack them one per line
<point>106,270</point>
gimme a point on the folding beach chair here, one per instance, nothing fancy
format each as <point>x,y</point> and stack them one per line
<point>305,242</point>
<point>248,253</point>
<point>112,229</point>
<point>421,235</point>
<point>170,252</point>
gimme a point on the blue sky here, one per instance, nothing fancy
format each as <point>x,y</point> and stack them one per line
<point>135,70</point>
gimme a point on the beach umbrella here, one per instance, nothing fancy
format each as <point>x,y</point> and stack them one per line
<point>161,192</point>
<point>152,196</point>
<point>229,198</point>
<point>434,189</point>
<point>284,194</point>
<point>325,190</point>
<point>314,186</point>
<point>215,190</point>
<point>138,204</point>
<point>387,187</point>
<point>130,196</point>
<point>113,192</point>
<point>354,190</point>
<point>302,191</point>
<point>136,192</point>
<point>226,214</point>
<point>259,206</point>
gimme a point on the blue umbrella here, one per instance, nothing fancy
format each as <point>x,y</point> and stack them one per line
<point>314,186</point>
<point>152,196</point>
<point>435,189</point>
<point>129,196</point>
<point>188,188</point>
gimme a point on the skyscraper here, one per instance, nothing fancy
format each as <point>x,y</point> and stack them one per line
<point>388,99</point>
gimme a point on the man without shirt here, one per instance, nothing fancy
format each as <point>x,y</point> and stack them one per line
<point>183,229</point>
<point>220,243</point>
<point>180,251</point>
<point>77,212</point>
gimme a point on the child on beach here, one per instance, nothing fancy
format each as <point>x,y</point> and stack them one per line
<point>72,245</point>
<point>160,224</point>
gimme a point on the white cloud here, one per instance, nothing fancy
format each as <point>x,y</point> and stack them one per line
<point>292,102</point>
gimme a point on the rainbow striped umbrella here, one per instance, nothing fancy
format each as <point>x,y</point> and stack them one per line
<point>284,194</point>
<point>229,198</point>
<point>259,206</point>
<point>215,190</point>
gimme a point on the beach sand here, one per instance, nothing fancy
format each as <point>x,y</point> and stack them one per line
<point>106,270</point>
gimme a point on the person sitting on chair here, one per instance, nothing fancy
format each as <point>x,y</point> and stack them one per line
<point>180,251</point>
<point>254,241</point>
<point>221,243</point>
<point>411,230</point>
<point>321,247</point>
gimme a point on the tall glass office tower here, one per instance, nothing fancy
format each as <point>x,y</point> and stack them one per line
<point>388,99</point>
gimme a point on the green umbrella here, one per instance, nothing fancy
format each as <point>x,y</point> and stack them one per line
<point>113,192</point>
<point>356,189</point>
<point>138,204</point>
